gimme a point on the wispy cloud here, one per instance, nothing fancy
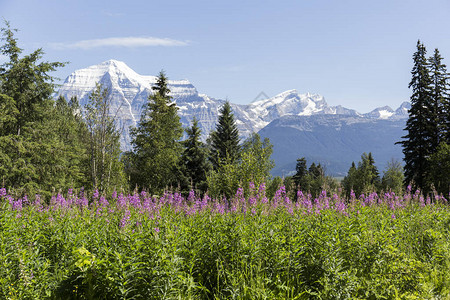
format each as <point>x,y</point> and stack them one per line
<point>129,42</point>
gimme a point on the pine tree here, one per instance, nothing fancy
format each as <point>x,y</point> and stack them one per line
<point>156,141</point>
<point>225,139</point>
<point>418,143</point>
<point>194,160</point>
<point>369,178</point>
<point>301,176</point>
<point>440,97</point>
<point>28,147</point>
<point>349,182</point>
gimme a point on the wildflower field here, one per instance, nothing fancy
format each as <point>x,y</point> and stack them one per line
<point>81,246</point>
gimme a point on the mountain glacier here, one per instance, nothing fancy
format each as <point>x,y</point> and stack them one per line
<point>129,91</point>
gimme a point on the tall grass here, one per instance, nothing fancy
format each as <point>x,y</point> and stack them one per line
<point>141,247</point>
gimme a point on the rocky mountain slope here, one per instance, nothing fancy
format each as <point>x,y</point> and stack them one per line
<point>307,113</point>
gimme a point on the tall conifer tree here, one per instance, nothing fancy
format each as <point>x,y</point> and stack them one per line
<point>30,156</point>
<point>194,159</point>
<point>418,143</point>
<point>156,141</point>
<point>225,139</point>
<point>440,99</point>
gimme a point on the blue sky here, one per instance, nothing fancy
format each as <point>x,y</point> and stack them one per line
<point>355,53</point>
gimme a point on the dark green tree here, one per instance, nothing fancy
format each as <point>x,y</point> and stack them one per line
<point>419,141</point>
<point>254,165</point>
<point>440,97</point>
<point>364,178</point>
<point>194,160</point>
<point>300,178</point>
<point>156,142</point>
<point>368,173</point>
<point>440,169</point>
<point>225,138</point>
<point>349,183</point>
<point>29,151</point>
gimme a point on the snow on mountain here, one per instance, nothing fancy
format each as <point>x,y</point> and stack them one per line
<point>129,92</point>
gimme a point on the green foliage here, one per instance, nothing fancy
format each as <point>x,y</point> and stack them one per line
<point>369,254</point>
<point>312,180</point>
<point>393,178</point>
<point>37,152</point>
<point>420,141</point>
<point>194,160</point>
<point>154,163</point>
<point>301,176</point>
<point>225,138</point>
<point>362,179</point>
<point>440,169</point>
<point>254,166</point>
<point>105,168</point>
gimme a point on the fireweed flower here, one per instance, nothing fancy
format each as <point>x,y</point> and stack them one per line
<point>2,192</point>
<point>125,219</point>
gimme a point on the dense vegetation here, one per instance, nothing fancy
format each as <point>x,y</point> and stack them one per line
<point>84,246</point>
<point>174,225</point>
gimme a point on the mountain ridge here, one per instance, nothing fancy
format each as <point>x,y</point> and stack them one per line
<point>130,90</point>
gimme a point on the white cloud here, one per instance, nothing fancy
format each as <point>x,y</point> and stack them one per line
<point>129,42</point>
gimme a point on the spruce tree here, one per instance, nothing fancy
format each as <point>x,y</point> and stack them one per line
<point>349,182</point>
<point>194,160</point>
<point>419,141</point>
<point>156,141</point>
<point>29,150</point>
<point>301,176</point>
<point>225,138</point>
<point>440,121</point>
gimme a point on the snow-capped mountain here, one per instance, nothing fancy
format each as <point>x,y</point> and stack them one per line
<point>129,91</point>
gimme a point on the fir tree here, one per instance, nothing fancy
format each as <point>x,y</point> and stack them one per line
<point>225,139</point>
<point>29,150</point>
<point>194,160</point>
<point>419,141</point>
<point>440,121</point>
<point>156,141</point>
<point>300,178</point>
<point>349,182</point>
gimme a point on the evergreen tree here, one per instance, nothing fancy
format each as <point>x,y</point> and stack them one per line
<point>349,182</point>
<point>419,141</point>
<point>369,178</point>
<point>254,166</point>
<point>317,179</point>
<point>364,178</point>
<point>71,130</point>
<point>225,139</point>
<point>194,160</point>
<point>106,170</point>
<point>301,176</point>
<point>440,169</point>
<point>156,141</point>
<point>440,121</point>
<point>29,150</point>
